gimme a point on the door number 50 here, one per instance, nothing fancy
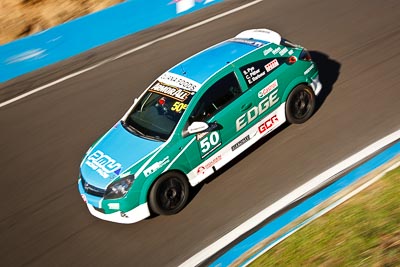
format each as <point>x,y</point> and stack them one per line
<point>209,142</point>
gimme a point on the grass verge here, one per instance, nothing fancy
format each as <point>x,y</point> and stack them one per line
<point>364,231</point>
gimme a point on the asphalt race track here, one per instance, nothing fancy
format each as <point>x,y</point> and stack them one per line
<point>44,222</point>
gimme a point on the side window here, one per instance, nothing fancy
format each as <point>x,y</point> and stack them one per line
<point>256,71</point>
<point>216,98</point>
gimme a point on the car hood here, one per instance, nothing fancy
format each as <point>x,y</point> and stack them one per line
<point>115,153</point>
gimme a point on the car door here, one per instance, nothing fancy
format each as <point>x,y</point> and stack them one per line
<point>220,106</point>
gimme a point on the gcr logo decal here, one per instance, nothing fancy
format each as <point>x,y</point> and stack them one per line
<point>268,124</point>
<point>103,164</point>
<point>184,5</point>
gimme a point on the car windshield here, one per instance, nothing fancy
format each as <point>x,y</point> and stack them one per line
<point>158,111</point>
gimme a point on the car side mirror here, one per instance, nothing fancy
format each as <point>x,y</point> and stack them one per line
<point>200,127</point>
<point>197,127</point>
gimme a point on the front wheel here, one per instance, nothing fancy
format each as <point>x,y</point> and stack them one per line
<point>300,104</point>
<point>169,194</point>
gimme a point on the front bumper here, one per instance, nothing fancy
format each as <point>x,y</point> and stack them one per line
<point>137,214</point>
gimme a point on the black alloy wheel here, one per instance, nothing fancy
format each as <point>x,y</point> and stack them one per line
<point>169,194</point>
<point>300,104</point>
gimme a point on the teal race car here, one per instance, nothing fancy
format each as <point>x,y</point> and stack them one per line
<point>194,119</point>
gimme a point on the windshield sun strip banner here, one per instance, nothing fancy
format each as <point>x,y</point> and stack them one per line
<point>170,91</point>
<point>179,81</point>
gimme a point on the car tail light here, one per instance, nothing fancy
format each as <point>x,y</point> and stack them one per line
<point>291,60</point>
<point>305,55</point>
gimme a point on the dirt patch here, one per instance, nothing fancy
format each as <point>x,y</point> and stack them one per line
<point>19,18</point>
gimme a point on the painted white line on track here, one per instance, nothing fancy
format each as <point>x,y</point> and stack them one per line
<point>290,198</point>
<point>196,25</point>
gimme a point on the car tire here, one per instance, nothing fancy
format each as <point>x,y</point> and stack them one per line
<point>300,104</point>
<point>169,194</point>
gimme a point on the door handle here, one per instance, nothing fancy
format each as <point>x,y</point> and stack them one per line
<point>246,106</point>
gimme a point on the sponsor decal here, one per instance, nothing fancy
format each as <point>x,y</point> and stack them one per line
<point>283,51</point>
<point>170,91</point>
<point>178,107</point>
<point>268,89</point>
<point>267,51</point>
<point>202,169</point>
<point>268,124</point>
<point>103,164</point>
<point>113,206</point>
<point>179,81</point>
<point>240,143</point>
<point>256,111</point>
<point>153,168</point>
<point>276,50</point>
<point>253,74</point>
<point>246,41</point>
<point>272,65</point>
<point>309,69</point>
<point>270,49</point>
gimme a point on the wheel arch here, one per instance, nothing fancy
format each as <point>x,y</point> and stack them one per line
<point>297,81</point>
<point>145,192</point>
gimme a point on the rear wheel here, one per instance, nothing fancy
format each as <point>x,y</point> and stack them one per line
<point>300,104</point>
<point>169,194</point>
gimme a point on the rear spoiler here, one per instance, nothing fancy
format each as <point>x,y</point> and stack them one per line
<point>268,36</point>
<point>261,34</point>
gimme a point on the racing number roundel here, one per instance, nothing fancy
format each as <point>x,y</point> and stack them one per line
<point>209,143</point>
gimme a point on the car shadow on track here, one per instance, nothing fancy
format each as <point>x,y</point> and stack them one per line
<point>329,70</point>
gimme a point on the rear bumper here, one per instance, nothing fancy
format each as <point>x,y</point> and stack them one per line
<point>316,85</point>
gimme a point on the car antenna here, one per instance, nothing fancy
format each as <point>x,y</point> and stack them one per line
<point>183,70</point>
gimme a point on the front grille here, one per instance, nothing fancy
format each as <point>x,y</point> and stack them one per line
<point>92,190</point>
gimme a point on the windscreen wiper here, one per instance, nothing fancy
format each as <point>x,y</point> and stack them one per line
<point>135,131</point>
<point>132,129</point>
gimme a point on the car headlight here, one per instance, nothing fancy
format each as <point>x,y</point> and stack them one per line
<point>119,188</point>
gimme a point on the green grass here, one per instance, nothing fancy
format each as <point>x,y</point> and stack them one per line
<point>364,231</point>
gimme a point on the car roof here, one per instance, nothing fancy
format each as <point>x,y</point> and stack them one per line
<point>204,64</point>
